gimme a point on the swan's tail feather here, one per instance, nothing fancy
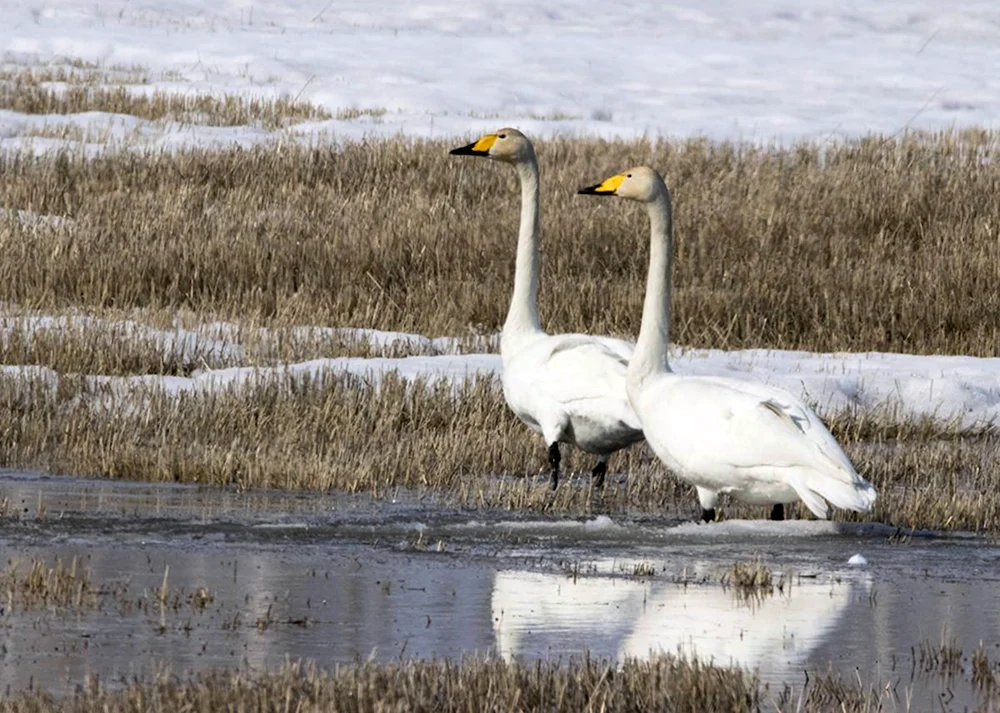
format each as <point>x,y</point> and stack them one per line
<point>813,487</point>
<point>812,500</point>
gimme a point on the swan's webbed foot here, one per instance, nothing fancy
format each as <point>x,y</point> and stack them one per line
<point>708,515</point>
<point>554,459</point>
<point>597,475</point>
<point>778,512</point>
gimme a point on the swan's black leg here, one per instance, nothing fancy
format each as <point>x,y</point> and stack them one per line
<point>708,515</point>
<point>778,511</point>
<point>554,458</point>
<point>597,474</point>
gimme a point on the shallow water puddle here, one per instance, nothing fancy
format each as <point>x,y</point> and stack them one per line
<point>193,579</point>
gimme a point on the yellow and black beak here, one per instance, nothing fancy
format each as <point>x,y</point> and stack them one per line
<point>607,188</point>
<point>477,148</point>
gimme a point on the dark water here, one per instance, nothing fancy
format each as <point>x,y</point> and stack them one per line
<point>336,578</point>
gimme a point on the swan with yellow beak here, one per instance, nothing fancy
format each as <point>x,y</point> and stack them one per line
<point>756,442</point>
<point>568,387</point>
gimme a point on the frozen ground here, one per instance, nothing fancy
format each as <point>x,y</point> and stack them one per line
<point>898,386</point>
<point>763,71</point>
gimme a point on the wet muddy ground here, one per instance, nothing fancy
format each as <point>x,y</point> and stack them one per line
<point>192,579</point>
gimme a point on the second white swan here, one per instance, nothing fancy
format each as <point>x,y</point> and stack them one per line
<point>568,387</point>
<point>757,442</point>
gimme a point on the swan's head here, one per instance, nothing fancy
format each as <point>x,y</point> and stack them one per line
<point>641,184</point>
<point>507,145</point>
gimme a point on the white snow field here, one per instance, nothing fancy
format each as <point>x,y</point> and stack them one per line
<point>773,70</point>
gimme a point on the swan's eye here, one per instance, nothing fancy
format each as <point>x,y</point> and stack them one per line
<point>628,175</point>
<point>502,136</point>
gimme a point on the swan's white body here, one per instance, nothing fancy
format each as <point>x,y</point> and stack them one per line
<point>759,443</point>
<point>568,387</point>
<point>571,389</point>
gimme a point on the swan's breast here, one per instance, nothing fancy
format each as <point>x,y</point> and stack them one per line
<point>519,401</point>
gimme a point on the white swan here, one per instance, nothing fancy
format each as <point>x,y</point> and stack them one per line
<point>568,387</point>
<point>757,442</point>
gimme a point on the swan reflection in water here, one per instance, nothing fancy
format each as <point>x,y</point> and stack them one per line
<point>541,615</point>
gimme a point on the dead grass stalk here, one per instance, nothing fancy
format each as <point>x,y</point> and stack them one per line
<point>37,585</point>
<point>666,683</point>
<point>457,443</point>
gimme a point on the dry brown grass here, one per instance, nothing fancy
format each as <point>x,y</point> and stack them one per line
<point>76,73</point>
<point>225,110</point>
<point>34,584</point>
<point>149,342</point>
<point>291,434</point>
<point>76,89</point>
<point>984,671</point>
<point>354,112</point>
<point>876,244</point>
<point>458,444</point>
<point>859,693</point>
<point>944,658</point>
<point>667,683</point>
<point>844,694</point>
<point>87,346</point>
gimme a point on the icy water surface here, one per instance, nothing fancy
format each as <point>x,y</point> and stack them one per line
<point>333,578</point>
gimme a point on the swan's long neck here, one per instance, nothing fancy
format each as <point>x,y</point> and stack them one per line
<point>522,317</point>
<point>650,356</point>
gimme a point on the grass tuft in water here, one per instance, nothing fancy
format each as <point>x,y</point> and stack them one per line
<point>750,580</point>
<point>36,585</point>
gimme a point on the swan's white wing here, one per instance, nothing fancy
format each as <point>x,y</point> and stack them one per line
<point>801,420</point>
<point>798,417</point>
<point>838,482</point>
<point>579,367</point>
<point>574,377</point>
<point>618,346</point>
<point>765,426</point>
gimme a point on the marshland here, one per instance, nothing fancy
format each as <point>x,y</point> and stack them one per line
<point>255,452</point>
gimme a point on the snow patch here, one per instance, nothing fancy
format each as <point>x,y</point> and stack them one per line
<point>757,71</point>
<point>957,390</point>
<point>596,525</point>
<point>749,529</point>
